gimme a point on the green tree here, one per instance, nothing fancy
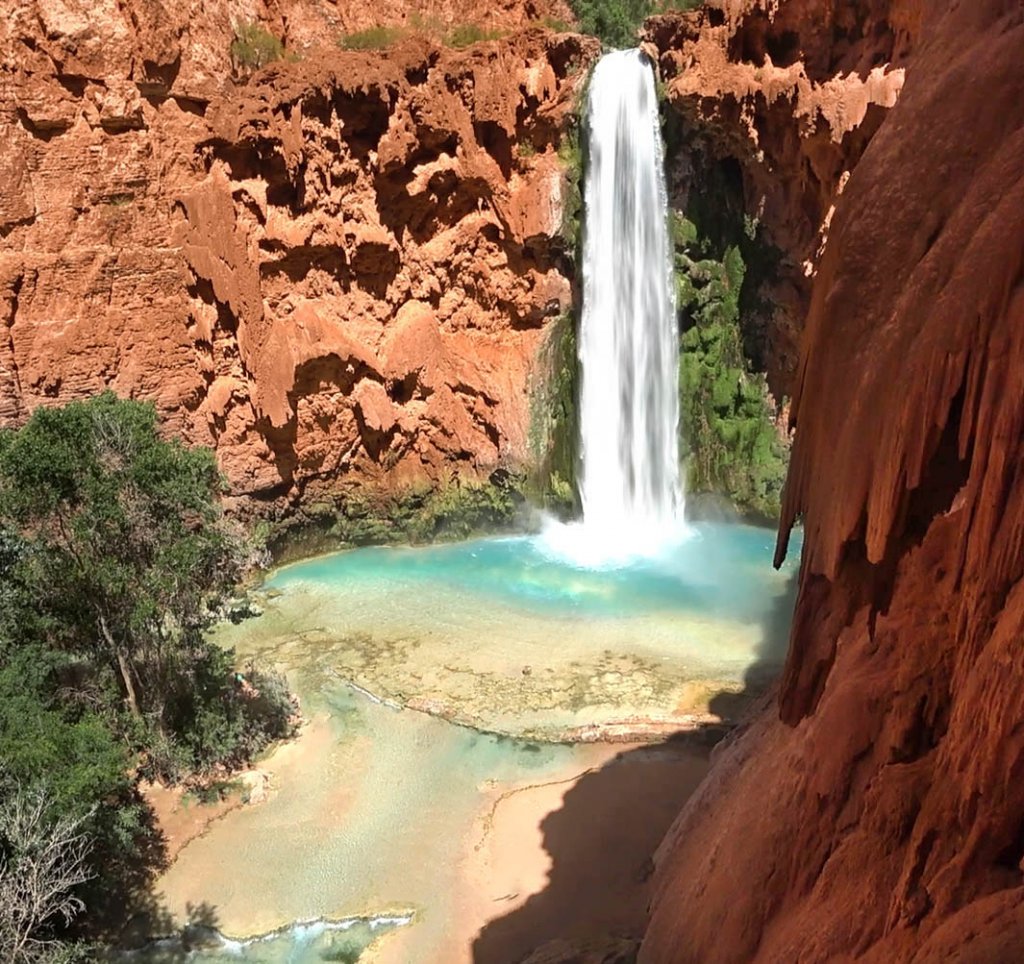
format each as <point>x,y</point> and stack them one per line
<point>129,550</point>
<point>115,556</point>
<point>616,22</point>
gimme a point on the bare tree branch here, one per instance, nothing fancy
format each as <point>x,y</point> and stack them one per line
<point>42,860</point>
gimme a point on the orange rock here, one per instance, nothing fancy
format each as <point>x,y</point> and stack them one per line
<point>278,264</point>
<point>791,94</point>
<point>876,812</point>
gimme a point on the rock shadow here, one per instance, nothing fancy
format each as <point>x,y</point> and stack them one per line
<point>180,941</point>
<point>769,658</point>
<point>601,841</point>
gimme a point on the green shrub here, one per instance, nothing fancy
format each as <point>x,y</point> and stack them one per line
<point>680,6</point>
<point>222,720</point>
<point>380,37</point>
<point>254,46</point>
<point>373,38</point>
<point>471,33</point>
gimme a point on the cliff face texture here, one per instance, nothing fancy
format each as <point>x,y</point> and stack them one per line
<point>876,812</point>
<point>785,97</point>
<point>339,270</point>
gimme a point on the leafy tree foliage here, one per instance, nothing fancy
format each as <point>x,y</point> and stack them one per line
<point>125,548</point>
<point>114,560</point>
<point>117,557</point>
<point>616,22</point>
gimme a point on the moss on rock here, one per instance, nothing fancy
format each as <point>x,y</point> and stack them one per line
<point>730,439</point>
<point>360,517</point>
<point>554,425</point>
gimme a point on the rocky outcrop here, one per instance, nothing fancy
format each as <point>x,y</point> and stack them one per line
<point>875,812</point>
<point>340,270</point>
<point>778,103</point>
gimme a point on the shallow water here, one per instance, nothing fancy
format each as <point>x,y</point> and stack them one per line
<point>368,812</point>
<point>366,816</point>
<point>308,942</point>
<point>516,636</point>
<point>712,568</point>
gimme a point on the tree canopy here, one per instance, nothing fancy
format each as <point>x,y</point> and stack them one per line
<point>115,559</point>
<point>616,22</point>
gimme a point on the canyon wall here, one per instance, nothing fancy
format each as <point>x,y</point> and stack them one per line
<point>338,269</point>
<point>778,102</point>
<point>875,811</point>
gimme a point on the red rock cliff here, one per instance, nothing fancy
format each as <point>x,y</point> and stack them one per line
<point>339,270</point>
<point>877,811</point>
<point>789,94</point>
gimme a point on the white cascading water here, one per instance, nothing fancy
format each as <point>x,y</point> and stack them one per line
<point>628,345</point>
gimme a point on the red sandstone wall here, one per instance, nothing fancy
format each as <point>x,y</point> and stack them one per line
<point>338,271</point>
<point>341,271</point>
<point>877,812</point>
<point>791,92</point>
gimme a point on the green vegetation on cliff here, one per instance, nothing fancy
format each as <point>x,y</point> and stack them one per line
<point>115,559</point>
<point>382,37</point>
<point>554,425</point>
<point>254,46</point>
<point>571,156</point>
<point>730,441</point>
<point>616,22</point>
<point>458,509</point>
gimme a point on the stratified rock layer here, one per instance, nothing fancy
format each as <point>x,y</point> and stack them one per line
<point>876,813</point>
<point>339,271</point>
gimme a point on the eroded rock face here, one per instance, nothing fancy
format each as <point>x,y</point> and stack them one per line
<point>785,96</point>
<point>341,271</point>
<point>876,812</point>
<point>338,271</point>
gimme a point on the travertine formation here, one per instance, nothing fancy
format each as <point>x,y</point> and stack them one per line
<point>876,811</point>
<point>786,95</point>
<point>339,270</point>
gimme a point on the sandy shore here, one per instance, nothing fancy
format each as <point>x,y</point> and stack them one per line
<point>490,868</point>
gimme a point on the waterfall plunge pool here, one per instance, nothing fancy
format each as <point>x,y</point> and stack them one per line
<point>627,626</point>
<point>377,811</point>
<point>508,635</point>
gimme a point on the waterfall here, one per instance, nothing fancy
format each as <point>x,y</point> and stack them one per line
<point>628,345</point>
